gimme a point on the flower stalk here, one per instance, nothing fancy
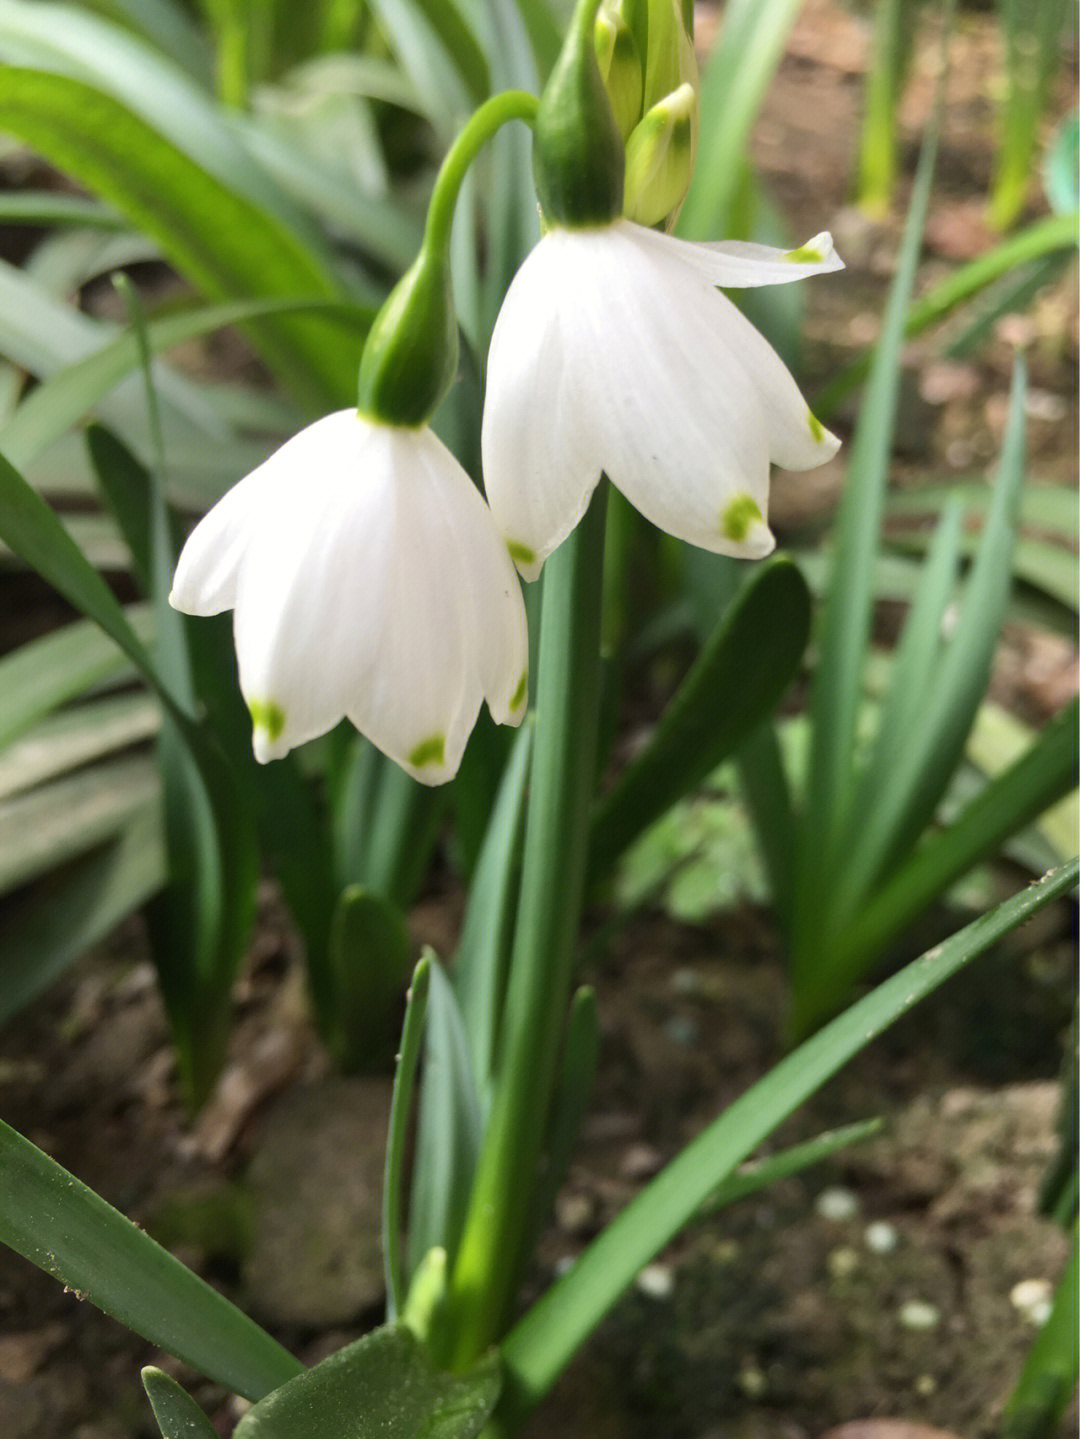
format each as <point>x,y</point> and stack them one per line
<point>491,1255</point>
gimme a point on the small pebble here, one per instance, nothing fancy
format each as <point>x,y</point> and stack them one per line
<point>839,1205</point>
<point>881,1238</point>
<point>657,1281</point>
<point>752,1382</point>
<point>1033,1298</point>
<point>925,1385</point>
<point>682,1031</point>
<point>920,1315</point>
<point>842,1262</point>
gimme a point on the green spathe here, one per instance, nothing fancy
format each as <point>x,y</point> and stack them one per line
<point>411,353</point>
<point>578,152</point>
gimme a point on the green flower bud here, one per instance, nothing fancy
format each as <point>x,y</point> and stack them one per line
<point>577,150</point>
<point>669,52</point>
<point>620,65</point>
<point>660,159</point>
<point>411,353</point>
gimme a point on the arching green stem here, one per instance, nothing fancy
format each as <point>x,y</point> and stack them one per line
<point>492,115</point>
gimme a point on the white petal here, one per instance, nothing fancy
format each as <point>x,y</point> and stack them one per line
<point>308,612</point>
<point>205,582</point>
<point>739,264</point>
<point>487,586</point>
<point>540,441</point>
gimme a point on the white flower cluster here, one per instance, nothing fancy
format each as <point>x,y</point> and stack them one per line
<point>370,581</point>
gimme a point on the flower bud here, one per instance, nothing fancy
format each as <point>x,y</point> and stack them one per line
<point>411,352</point>
<point>577,149</point>
<point>660,159</point>
<point>620,65</point>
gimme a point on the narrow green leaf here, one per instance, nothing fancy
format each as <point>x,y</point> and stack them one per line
<point>733,85</point>
<point>59,1224</point>
<point>1049,235</point>
<point>1005,805</point>
<point>739,676</point>
<point>448,1131</point>
<point>50,926</point>
<point>76,736</point>
<point>40,676</point>
<point>542,1343</point>
<point>67,396</point>
<point>177,1414</point>
<point>759,1174</point>
<point>54,822</point>
<point>932,743</point>
<point>764,783</point>
<point>47,208</point>
<point>404,1079</point>
<point>216,237</point>
<point>431,66</point>
<point>1048,1380</point>
<point>365,976</point>
<point>845,625</point>
<point>914,668</point>
<point>381,1387</point>
<point>484,951</point>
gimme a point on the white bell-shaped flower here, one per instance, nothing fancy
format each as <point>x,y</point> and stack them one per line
<point>368,581</point>
<point>615,352</point>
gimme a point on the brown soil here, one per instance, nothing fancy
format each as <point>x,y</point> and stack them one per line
<point>882,1286</point>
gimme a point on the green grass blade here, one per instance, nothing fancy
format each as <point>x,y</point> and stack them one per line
<point>765,788</point>
<point>59,1224</point>
<point>46,929</point>
<point>404,1079</point>
<point>63,399</point>
<point>44,674</point>
<point>752,1178</point>
<point>1047,1382</point>
<point>845,624</point>
<point>448,1131</point>
<point>928,753</point>
<point>723,698</point>
<point>76,736</point>
<point>487,932</point>
<point>894,33</point>
<point>543,1342</point>
<point>57,821</point>
<point>1049,235</point>
<point>733,85</point>
<point>177,1414</point>
<point>218,238</point>
<point>1005,805</point>
<point>914,664</point>
<point>46,208</point>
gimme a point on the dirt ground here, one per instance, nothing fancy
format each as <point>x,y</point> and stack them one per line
<point>902,1281</point>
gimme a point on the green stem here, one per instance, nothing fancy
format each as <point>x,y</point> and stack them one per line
<point>482,125</point>
<point>553,868</point>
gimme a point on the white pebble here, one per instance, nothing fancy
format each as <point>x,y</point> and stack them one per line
<point>919,1314</point>
<point>839,1205</point>
<point>1034,1298</point>
<point>657,1281</point>
<point>881,1238</point>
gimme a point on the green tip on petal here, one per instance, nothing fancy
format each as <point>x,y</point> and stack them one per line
<point>521,554</point>
<point>268,717</point>
<point>805,255</point>
<point>740,517</point>
<point>521,694</point>
<point>430,751</point>
<point>817,429</point>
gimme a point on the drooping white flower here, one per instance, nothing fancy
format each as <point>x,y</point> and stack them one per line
<point>368,581</point>
<point>615,351</point>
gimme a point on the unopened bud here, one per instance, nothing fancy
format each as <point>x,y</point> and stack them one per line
<point>660,159</point>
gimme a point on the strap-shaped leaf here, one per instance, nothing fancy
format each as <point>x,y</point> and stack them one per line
<point>448,1132</point>
<point>177,1414</point>
<point>59,1224</point>
<point>215,236</point>
<point>382,1387</point>
<point>41,934</point>
<point>739,676</point>
<point>542,1343</point>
